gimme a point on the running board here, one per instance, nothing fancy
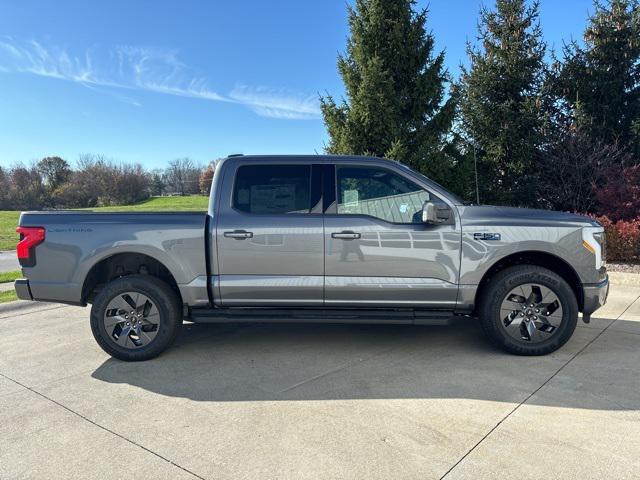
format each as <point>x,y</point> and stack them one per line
<point>268,315</point>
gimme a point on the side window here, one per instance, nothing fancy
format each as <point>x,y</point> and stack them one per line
<point>273,189</point>
<point>380,193</point>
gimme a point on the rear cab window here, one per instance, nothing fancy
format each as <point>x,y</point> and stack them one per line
<point>273,189</point>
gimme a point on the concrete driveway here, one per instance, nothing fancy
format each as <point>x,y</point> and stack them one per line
<point>321,402</point>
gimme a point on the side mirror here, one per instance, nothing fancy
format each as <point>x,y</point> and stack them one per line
<point>435,214</point>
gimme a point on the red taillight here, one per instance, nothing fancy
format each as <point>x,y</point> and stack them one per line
<point>29,238</point>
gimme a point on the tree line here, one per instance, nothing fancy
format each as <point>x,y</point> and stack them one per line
<point>97,181</point>
<point>536,127</point>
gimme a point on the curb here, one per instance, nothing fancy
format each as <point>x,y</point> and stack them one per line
<point>624,278</point>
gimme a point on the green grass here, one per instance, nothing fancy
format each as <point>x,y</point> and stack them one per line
<point>8,296</point>
<point>6,277</point>
<point>198,203</point>
<point>8,224</point>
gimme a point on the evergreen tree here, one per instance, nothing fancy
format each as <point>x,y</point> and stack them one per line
<point>157,183</point>
<point>600,81</point>
<point>395,87</point>
<point>504,103</point>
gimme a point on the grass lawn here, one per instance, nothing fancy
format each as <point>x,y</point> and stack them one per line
<point>8,224</point>
<point>8,296</point>
<point>6,277</point>
<point>198,203</point>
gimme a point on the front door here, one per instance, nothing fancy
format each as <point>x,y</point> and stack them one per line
<point>378,252</point>
<point>270,234</point>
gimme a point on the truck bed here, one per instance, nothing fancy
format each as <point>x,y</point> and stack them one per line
<point>77,243</point>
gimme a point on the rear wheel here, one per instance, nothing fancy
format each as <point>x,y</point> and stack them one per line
<point>136,317</point>
<point>528,310</point>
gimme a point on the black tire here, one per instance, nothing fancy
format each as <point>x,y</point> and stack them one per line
<point>160,294</point>
<point>502,284</point>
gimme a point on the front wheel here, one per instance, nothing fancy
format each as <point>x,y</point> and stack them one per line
<point>528,310</point>
<point>136,317</point>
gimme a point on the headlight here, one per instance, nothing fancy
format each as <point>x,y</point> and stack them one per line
<point>601,238</point>
<point>594,240</point>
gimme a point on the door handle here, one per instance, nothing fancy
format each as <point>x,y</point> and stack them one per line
<point>346,235</point>
<point>239,234</point>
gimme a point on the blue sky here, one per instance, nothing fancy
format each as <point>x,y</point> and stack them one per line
<point>148,81</point>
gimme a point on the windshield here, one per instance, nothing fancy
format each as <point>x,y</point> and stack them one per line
<point>452,196</point>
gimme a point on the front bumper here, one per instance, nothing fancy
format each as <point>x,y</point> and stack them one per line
<point>22,289</point>
<point>595,296</point>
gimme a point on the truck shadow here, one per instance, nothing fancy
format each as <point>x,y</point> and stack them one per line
<point>277,362</point>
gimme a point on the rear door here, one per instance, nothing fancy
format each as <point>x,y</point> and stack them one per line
<point>378,252</point>
<point>270,233</point>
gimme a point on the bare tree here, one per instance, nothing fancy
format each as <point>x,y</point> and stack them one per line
<point>131,184</point>
<point>26,190</point>
<point>572,167</point>
<point>89,184</point>
<point>98,181</point>
<point>183,176</point>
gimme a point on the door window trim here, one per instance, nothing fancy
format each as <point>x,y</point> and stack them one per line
<point>329,189</point>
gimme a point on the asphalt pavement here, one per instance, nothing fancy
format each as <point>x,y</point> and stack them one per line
<point>8,261</point>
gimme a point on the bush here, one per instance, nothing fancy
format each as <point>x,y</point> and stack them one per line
<point>100,182</point>
<point>619,197</point>
<point>623,239</point>
<point>130,185</point>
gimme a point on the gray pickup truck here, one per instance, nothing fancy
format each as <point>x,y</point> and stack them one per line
<point>318,239</point>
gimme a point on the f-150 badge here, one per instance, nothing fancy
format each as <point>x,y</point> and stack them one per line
<point>486,236</point>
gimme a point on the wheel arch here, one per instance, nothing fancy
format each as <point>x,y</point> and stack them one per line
<point>533,257</point>
<point>123,264</point>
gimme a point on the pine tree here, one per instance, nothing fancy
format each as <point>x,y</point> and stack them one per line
<point>395,88</point>
<point>600,81</point>
<point>503,102</point>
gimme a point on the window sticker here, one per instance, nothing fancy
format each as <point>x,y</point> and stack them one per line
<point>273,198</point>
<point>350,198</point>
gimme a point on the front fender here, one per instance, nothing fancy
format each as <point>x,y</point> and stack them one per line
<point>478,256</point>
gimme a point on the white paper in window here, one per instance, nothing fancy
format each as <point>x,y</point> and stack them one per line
<point>350,198</point>
<point>273,198</point>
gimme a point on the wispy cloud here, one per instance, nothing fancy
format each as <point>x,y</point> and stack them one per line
<point>147,69</point>
<point>276,103</point>
<point>114,94</point>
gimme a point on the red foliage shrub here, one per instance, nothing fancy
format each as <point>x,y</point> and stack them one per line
<point>623,239</point>
<point>619,196</point>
